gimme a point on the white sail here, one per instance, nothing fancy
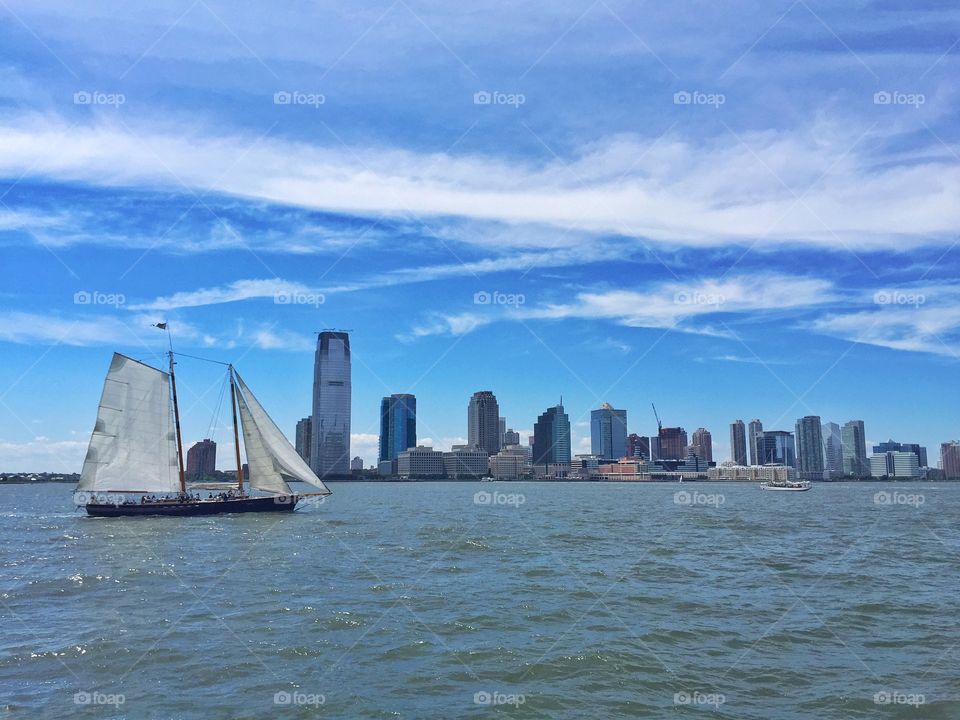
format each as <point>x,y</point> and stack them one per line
<point>270,456</point>
<point>133,446</point>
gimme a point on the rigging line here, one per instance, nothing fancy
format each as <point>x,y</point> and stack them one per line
<point>215,417</point>
<point>194,357</point>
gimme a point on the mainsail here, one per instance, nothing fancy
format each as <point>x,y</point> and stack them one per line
<point>270,456</point>
<point>133,446</point>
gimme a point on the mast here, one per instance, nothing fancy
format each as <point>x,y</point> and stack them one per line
<point>236,432</point>
<point>176,420</point>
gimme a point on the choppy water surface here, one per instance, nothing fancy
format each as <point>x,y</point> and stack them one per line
<point>421,600</point>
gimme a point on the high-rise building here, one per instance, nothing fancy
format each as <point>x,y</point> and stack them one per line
<point>738,443</point>
<point>702,445</point>
<point>950,459</point>
<point>832,449</point>
<point>483,422</point>
<point>809,438</point>
<point>754,430</point>
<point>672,444</point>
<point>855,460</point>
<point>638,446</point>
<point>356,465</point>
<point>398,425</point>
<point>776,447</point>
<point>551,437</point>
<point>330,426</point>
<point>202,459</point>
<point>608,432</point>
<point>501,431</point>
<point>303,438</point>
<point>511,437</point>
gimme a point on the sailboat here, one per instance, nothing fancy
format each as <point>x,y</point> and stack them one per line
<point>134,463</point>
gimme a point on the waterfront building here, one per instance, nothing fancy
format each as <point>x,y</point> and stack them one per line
<point>752,473</point>
<point>702,444</point>
<point>356,465</point>
<point>303,438</point>
<point>551,438</point>
<point>420,462</point>
<point>738,442</point>
<point>608,432</point>
<point>894,464</point>
<point>809,439</point>
<point>398,425</point>
<point>330,424</point>
<point>638,446</point>
<point>950,460</point>
<point>693,463</point>
<point>754,431</point>
<point>202,459</point>
<point>466,462</point>
<point>511,463</point>
<point>893,446</point>
<point>483,422</point>
<point>855,460</point>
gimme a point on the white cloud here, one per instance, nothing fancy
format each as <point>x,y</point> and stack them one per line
<point>41,454</point>
<point>673,191</point>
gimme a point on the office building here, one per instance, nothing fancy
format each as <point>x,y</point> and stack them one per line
<point>511,437</point>
<point>738,443</point>
<point>465,462</point>
<point>398,425</point>
<point>330,425</point>
<point>702,444</point>
<point>420,462</point>
<point>303,437</point>
<point>950,460</point>
<point>608,432</point>
<point>893,446</point>
<point>202,459</point>
<point>894,464</point>
<point>511,463</point>
<point>356,465</point>
<point>776,447</point>
<point>483,422</point>
<point>754,430</point>
<point>502,431</point>
<point>855,461</point>
<point>832,449</point>
<point>809,439</point>
<point>551,438</point>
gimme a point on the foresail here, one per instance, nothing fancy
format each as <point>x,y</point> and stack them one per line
<point>262,473</point>
<point>279,456</point>
<point>133,446</point>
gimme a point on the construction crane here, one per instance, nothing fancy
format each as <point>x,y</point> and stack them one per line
<point>659,424</point>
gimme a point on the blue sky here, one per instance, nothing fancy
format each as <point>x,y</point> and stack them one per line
<point>733,212</point>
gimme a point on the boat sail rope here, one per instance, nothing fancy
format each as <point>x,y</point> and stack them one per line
<point>135,449</point>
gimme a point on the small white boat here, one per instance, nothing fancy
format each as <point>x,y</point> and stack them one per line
<point>787,485</point>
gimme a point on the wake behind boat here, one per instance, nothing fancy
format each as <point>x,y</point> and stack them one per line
<point>788,485</point>
<point>134,463</point>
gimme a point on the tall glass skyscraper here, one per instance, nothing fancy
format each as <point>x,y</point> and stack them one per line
<point>398,425</point>
<point>483,422</point>
<point>754,431</point>
<point>608,432</point>
<point>809,447</point>
<point>330,425</point>
<point>855,461</point>
<point>776,447</point>
<point>833,449</point>
<point>551,437</point>
<point>738,443</point>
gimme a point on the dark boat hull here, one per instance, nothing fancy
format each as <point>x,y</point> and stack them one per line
<point>282,503</point>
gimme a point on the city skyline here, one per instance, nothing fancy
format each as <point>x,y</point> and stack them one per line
<point>756,219</point>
